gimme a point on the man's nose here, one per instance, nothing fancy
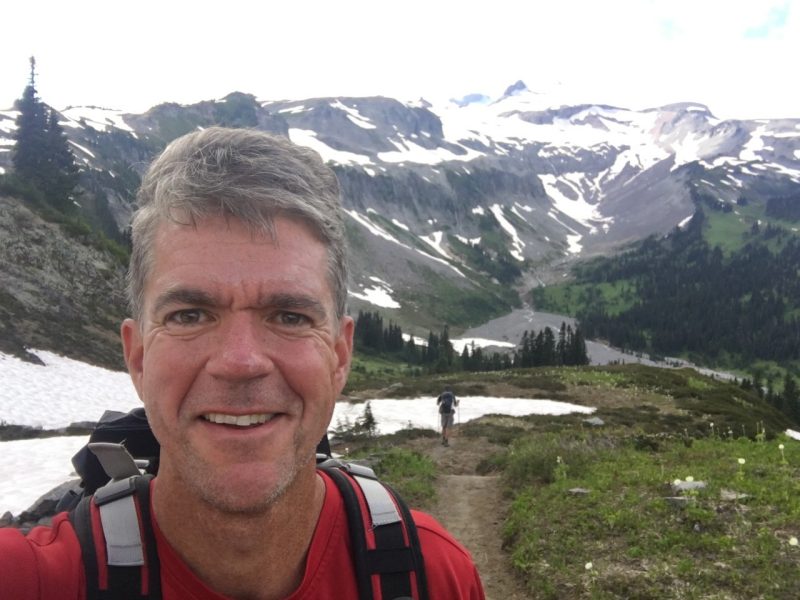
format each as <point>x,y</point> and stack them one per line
<point>241,349</point>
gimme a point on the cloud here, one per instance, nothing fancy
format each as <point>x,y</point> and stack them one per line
<point>634,53</point>
<point>775,19</point>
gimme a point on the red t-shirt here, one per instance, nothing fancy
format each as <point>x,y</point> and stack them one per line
<point>46,564</point>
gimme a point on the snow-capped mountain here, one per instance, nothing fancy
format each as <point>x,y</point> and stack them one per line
<point>453,208</point>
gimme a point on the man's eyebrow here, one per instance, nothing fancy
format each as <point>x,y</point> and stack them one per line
<point>294,302</point>
<point>190,296</point>
<point>196,297</point>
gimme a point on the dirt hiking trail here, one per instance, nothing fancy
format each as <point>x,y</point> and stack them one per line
<point>472,507</point>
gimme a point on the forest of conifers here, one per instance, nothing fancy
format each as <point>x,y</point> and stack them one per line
<point>691,299</point>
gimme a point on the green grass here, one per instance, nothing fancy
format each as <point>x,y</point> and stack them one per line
<point>446,302</point>
<point>729,230</point>
<point>571,298</point>
<point>728,540</point>
<point>372,370</point>
<point>411,473</point>
<point>640,544</point>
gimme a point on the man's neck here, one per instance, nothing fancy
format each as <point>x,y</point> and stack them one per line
<point>259,556</point>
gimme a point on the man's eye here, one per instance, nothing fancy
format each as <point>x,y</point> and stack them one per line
<point>189,316</point>
<point>293,319</point>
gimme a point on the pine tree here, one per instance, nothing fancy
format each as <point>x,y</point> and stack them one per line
<point>579,355</point>
<point>447,351</point>
<point>366,423</point>
<point>42,157</point>
<point>791,397</point>
<point>561,345</point>
<point>31,134</point>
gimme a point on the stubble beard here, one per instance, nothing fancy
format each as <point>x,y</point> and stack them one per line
<point>213,488</point>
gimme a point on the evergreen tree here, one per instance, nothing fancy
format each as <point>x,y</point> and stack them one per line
<point>466,359</point>
<point>447,351</point>
<point>31,134</point>
<point>791,397</point>
<point>42,157</point>
<point>366,423</point>
<point>548,348</point>
<point>432,353</point>
<point>561,345</point>
<point>410,352</point>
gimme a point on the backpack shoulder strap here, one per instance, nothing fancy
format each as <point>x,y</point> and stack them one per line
<point>386,549</point>
<point>126,564</point>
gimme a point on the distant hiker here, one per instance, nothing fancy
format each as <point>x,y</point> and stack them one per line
<point>447,402</point>
<point>238,346</point>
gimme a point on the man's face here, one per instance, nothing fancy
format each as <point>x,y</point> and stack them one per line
<point>239,357</point>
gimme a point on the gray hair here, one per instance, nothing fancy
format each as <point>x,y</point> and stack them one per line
<point>243,174</point>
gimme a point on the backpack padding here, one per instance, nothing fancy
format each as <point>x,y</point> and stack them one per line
<point>358,535</point>
<point>392,557</point>
<point>144,582</point>
<point>395,555</point>
<point>124,582</point>
<point>153,567</point>
<point>416,546</point>
<point>393,560</point>
<point>81,519</point>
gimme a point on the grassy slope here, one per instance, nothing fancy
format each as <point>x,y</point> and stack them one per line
<point>728,231</point>
<point>728,540</point>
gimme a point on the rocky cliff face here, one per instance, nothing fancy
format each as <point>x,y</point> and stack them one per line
<point>56,291</point>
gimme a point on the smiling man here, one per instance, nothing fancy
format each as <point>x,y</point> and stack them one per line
<point>238,346</point>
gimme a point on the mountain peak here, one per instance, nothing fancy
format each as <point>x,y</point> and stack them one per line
<point>515,88</point>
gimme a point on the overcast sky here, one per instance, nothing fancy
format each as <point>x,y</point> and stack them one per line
<point>739,57</point>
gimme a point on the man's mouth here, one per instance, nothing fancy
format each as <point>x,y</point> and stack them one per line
<point>239,420</point>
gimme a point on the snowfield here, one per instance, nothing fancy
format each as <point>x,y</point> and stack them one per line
<point>66,391</point>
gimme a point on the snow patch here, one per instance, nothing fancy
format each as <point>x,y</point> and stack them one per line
<point>411,152</point>
<point>394,415</point>
<point>684,222</point>
<point>461,343</point>
<point>380,294</point>
<point>402,226</point>
<point>754,145</point>
<point>356,117</point>
<point>577,209</point>
<point>99,119</point>
<point>468,241</point>
<point>518,244</point>
<point>293,110</point>
<point>82,149</point>
<point>372,228</point>
<point>435,241</point>
<point>308,138</point>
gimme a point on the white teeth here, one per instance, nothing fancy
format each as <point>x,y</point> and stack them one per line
<point>240,420</point>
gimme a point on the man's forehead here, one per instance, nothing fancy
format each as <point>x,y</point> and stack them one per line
<point>179,247</point>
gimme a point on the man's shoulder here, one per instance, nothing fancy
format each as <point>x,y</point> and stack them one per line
<point>433,533</point>
<point>45,563</point>
<point>41,536</point>
<point>449,567</point>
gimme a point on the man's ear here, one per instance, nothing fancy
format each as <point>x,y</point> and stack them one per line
<point>343,346</point>
<point>133,351</point>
